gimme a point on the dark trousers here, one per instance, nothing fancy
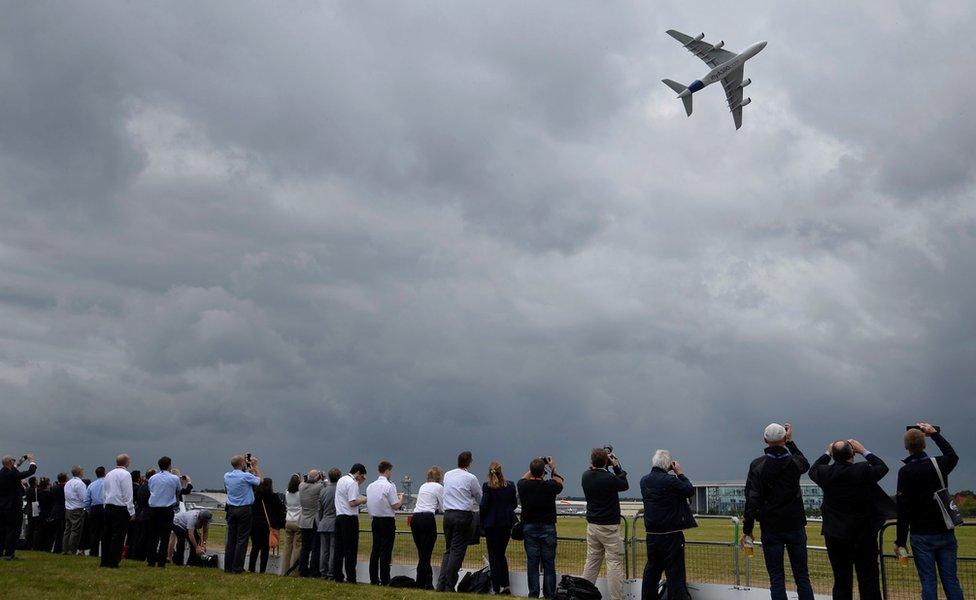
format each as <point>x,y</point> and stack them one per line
<point>665,554</point>
<point>326,550</point>
<point>137,538</point>
<point>457,534</point>
<point>11,521</point>
<point>423,526</point>
<point>238,532</point>
<point>182,541</point>
<point>57,533</point>
<point>96,518</point>
<point>308,556</point>
<point>795,545</point>
<point>846,556</point>
<point>113,535</point>
<point>497,538</point>
<point>157,535</point>
<point>381,554</point>
<point>259,547</point>
<point>346,548</point>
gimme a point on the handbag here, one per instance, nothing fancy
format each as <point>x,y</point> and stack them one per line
<point>947,505</point>
<point>518,530</point>
<point>272,532</point>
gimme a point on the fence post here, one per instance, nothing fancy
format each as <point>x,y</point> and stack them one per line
<point>626,551</point>
<point>881,561</point>
<point>735,548</point>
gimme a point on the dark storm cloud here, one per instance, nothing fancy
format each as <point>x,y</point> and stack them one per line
<point>352,232</point>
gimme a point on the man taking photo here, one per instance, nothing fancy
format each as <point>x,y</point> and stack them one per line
<point>11,502</point>
<point>602,491</point>
<point>666,514</point>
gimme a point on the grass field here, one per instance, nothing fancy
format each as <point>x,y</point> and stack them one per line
<point>39,575</point>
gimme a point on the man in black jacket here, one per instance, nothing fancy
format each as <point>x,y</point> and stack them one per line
<point>933,543</point>
<point>12,503</point>
<point>773,497</point>
<point>666,515</point>
<point>850,517</point>
<point>602,491</point>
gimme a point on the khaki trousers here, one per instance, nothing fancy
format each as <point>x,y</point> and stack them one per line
<point>292,544</point>
<point>605,541</point>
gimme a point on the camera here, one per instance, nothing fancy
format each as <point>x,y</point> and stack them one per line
<point>247,461</point>
<point>609,448</point>
<point>545,459</point>
<point>910,427</point>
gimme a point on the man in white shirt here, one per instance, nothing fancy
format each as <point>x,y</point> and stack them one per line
<point>119,509</point>
<point>382,502</point>
<point>462,494</point>
<point>74,511</point>
<point>347,503</point>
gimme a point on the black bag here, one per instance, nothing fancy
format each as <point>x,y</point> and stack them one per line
<point>209,561</point>
<point>402,581</point>
<point>475,582</point>
<point>518,530</point>
<point>947,505</point>
<point>577,588</point>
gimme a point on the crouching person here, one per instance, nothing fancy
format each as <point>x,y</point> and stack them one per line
<point>184,531</point>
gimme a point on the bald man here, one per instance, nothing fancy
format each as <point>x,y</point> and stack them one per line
<point>12,502</point>
<point>119,509</point>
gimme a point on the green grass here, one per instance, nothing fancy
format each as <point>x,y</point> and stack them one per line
<point>40,575</point>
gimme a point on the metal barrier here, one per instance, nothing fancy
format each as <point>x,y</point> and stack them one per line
<point>711,561</point>
<point>901,581</point>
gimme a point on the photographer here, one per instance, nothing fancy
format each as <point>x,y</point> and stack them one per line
<point>538,496</point>
<point>309,494</point>
<point>933,542</point>
<point>602,491</point>
<point>239,483</point>
<point>11,502</point>
<point>666,514</point>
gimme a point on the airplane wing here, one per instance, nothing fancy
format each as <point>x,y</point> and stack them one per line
<point>732,83</point>
<point>712,56</point>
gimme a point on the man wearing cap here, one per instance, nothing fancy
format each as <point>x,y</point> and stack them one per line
<point>773,497</point>
<point>184,529</point>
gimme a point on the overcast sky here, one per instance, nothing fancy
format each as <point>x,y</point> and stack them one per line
<point>338,232</point>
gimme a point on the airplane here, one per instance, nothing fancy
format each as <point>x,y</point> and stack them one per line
<point>727,67</point>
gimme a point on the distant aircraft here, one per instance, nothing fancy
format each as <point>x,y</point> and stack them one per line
<point>726,66</point>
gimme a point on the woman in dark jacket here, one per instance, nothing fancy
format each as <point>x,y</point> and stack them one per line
<point>267,513</point>
<point>45,503</point>
<point>498,502</point>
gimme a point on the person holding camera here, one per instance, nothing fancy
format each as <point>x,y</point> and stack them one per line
<point>498,502</point>
<point>309,496</point>
<point>773,497</point>
<point>239,482</point>
<point>919,513</point>
<point>602,488</point>
<point>665,492</point>
<point>11,502</point>
<point>538,496</point>
<point>851,519</point>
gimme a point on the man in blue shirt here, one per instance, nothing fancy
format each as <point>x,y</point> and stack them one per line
<point>95,505</point>
<point>163,490</point>
<point>239,483</point>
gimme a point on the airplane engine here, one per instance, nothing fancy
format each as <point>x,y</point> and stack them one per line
<point>699,38</point>
<point>718,45</point>
<point>744,102</point>
<point>745,83</point>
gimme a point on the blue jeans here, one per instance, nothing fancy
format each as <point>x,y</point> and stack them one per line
<point>937,550</point>
<point>795,544</point>
<point>540,546</point>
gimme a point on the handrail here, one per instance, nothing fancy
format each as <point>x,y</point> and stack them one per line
<point>882,555</point>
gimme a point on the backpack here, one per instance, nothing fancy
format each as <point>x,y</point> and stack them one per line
<point>209,561</point>
<point>576,588</point>
<point>402,581</point>
<point>476,582</point>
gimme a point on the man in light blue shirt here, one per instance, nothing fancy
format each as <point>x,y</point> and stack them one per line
<point>163,490</point>
<point>239,483</point>
<point>95,505</point>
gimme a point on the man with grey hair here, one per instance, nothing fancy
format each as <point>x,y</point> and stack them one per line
<point>11,502</point>
<point>309,497</point>
<point>773,497</point>
<point>665,491</point>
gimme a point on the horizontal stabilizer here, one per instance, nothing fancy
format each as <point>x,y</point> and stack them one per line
<point>680,89</point>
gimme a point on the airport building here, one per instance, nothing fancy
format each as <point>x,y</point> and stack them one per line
<point>729,497</point>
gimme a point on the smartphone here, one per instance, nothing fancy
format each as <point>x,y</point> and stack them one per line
<point>910,427</point>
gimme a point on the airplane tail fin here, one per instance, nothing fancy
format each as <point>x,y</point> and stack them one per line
<point>680,89</point>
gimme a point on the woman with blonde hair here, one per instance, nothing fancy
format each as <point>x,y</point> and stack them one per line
<point>498,502</point>
<point>430,500</point>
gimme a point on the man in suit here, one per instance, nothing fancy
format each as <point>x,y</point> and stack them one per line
<point>327,524</point>
<point>309,496</point>
<point>11,503</point>
<point>851,517</point>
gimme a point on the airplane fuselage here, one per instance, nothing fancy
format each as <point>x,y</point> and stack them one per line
<point>722,70</point>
